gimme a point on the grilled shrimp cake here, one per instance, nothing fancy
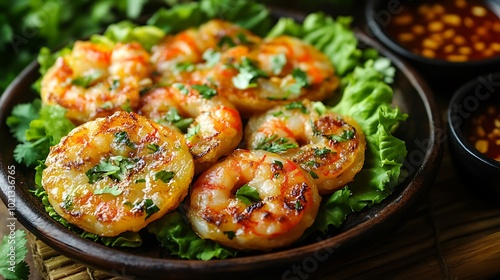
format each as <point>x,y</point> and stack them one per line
<point>277,71</point>
<point>117,174</point>
<point>96,80</point>
<point>212,126</point>
<point>178,55</point>
<point>253,200</point>
<point>328,146</point>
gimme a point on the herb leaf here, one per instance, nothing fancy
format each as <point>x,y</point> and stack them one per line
<point>211,57</point>
<point>22,115</point>
<point>278,62</point>
<point>321,152</point>
<point>248,74</point>
<point>205,91</point>
<point>343,137</point>
<point>44,130</point>
<point>274,144</point>
<point>14,245</point>
<point>185,67</point>
<point>114,167</point>
<point>151,207</point>
<point>113,190</point>
<point>148,206</point>
<point>174,118</point>
<point>301,81</point>
<point>153,147</point>
<point>297,105</point>
<point>87,80</point>
<point>122,137</point>
<point>248,195</point>
<point>229,234</point>
<point>181,87</point>
<point>192,131</point>
<point>164,176</point>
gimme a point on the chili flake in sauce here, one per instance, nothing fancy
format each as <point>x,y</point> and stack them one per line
<point>452,30</point>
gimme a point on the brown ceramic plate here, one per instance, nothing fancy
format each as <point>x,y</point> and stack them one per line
<point>422,135</point>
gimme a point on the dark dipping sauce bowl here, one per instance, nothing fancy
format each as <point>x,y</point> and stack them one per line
<point>476,99</point>
<point>443,75</point>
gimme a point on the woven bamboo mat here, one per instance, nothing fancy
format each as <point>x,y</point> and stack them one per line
<point>453,235</point>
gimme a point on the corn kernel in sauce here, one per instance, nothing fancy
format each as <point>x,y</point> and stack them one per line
<point>452,30</point>
<point>483,131</point>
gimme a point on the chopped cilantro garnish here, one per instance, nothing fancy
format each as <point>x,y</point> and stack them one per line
<point>313,175</point>
<point>321,152</point>
<point>343,137</point>
<point>300,77</point>
<point>114,85</point>
<point>153,147</point>
<point>297,105</point>
<point>88,80</point>
<point>276,167</point>
<point>181,87</point>
<point>122,137</point>
<point>192,131</point>
<point>114,167</point>
<point>277,113</point>
<point>301,81</point>
<point>205,91</point>
<point>140,180</point>
<point>67,203</point>
<point>113,190</point>
<point>226,41</point>
<point>248,74</point>
<point>248,195</point>
<point>298,205</point>
<point>185,67</point>
<point>107,105</point>
<point>229,234</point>
<point>148,206</point>
<point>312,163</point>
<point>243,40</point>
<point>164,176</point>
<point>274,144</point>
<point>211,57</point>
<point>151,207</point>
<point>278,62</point>
<point>174,118</point>
<point>126,106</point>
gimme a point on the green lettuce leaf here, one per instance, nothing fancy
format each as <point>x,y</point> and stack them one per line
<point>367,99</point>
<point>247,14</point>
<point>126,31</point>
<point>335,38</point>
<point>179,239</point>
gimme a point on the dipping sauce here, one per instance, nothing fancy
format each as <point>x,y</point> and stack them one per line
<point>483,131</point>
<point>452,30</point>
